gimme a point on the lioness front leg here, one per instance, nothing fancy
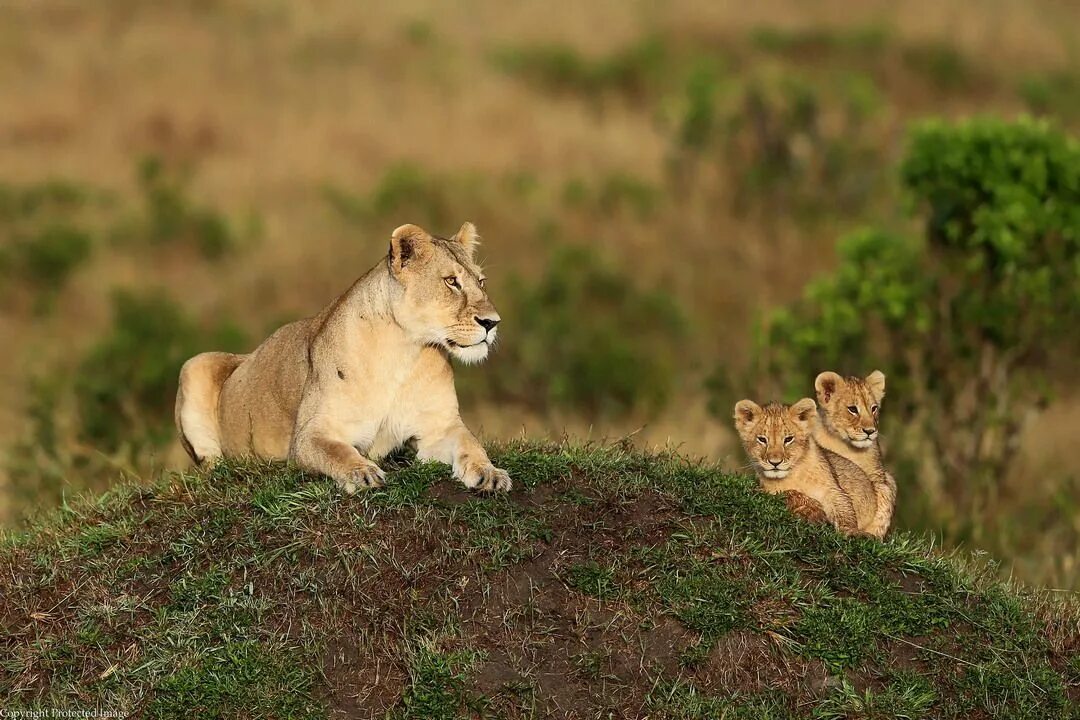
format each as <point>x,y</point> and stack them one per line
<point>338,460</point>
<point>460,449</point>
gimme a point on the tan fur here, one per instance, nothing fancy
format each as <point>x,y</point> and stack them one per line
<point>337,391</point>
<point>848,411</point>
<point>779,441</point>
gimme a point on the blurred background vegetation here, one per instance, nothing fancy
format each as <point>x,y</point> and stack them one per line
<point>684,203</point>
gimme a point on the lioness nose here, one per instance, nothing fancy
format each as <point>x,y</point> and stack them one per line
<point>486,323</point>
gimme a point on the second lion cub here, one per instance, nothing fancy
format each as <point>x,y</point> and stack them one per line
<point>848,412</point>
<point>779,439</point>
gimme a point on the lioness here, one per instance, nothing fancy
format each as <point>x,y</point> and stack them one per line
<point>848,410</point>
<point>339,390</point>
<point>779,441</point>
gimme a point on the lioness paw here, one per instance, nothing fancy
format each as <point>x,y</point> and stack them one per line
<point>486,478</point>
<point>362,478</point>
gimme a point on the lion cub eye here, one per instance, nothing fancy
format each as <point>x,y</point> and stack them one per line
<point>789,439</point>
<point>452,282</point>
<point>482,281</point>
<point>874,409</point>
<point>853,410</point>
<point>763,440</point>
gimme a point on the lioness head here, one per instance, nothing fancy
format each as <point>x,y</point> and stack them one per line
<point>443,301</point>
<point>850,406</point>
<point>776,436</point>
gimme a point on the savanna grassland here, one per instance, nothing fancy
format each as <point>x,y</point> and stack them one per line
<point>652,180</point>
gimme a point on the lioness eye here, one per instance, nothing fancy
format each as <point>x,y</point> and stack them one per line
<point>762,439</point>
<point>789,439</point>
<point>452,282</point>
<point>853,410</point>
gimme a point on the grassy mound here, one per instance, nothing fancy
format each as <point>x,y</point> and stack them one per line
<point>609,584</point>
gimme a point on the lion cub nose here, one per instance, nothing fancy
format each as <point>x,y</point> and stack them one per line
<point>869,431</point>
<point>486,323</point>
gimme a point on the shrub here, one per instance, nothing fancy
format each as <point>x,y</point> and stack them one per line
<point>789,144</point>
<point>170,215</point>
<point>589,340</point>
<point>113,409</point>
<point>404,190</point>
<point>1056,93</point>
<point>125,385</point>
<point>52,254</point>
<point>22,201</point>
<point>788,157</point>
<point>44,234</point>
<point>615,193</point>
<point>856,42</point>
<point>940,63</point>
<point>632,72</point>
<point>963,319</point>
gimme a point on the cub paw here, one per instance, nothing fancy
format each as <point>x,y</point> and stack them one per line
<point>486,478</point>
<point>805,507</point>
<point>362,478</point>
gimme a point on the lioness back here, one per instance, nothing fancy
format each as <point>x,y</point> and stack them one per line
<point>259,400</point>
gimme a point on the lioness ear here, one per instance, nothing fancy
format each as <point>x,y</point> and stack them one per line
<point>826,384</point>
<point>468,238</point>
<point>406,246</point>
<point>746,411</point>
<point>876,381</point>
<point>802,411</point>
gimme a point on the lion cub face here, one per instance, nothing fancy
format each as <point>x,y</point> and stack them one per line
<point>850,406</point>
<point>443,300</point>
<point>776,437</point>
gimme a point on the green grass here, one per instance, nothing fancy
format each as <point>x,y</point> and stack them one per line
<point>617,583</point>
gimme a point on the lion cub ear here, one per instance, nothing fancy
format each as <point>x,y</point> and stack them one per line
<point>407,245</point>
<point>876,381</point>
<point>802,411</point>
<point>468,238</point>
<point>746,412</point>
<point>826,385</point>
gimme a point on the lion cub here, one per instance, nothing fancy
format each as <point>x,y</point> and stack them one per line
<point>779,441</point>
<point>848,417</point>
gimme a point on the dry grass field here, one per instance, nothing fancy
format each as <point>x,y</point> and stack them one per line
<point>313,129</point>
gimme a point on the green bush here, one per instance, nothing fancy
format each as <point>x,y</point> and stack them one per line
<point>631,72</point>
<point>112,410</point>
<point>821,41</point>
<point>615,193</point>
<point>52,196</point>
<point>170,216</point>
<point>45,234</point>
<point>791,145</point>
<point>940,63</point>
<point>50,256</point>
<point>586,338</point>
<point>126,384</point>
<point>405,190</point>
<point>1056,93</point>
<point>964,319</point>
